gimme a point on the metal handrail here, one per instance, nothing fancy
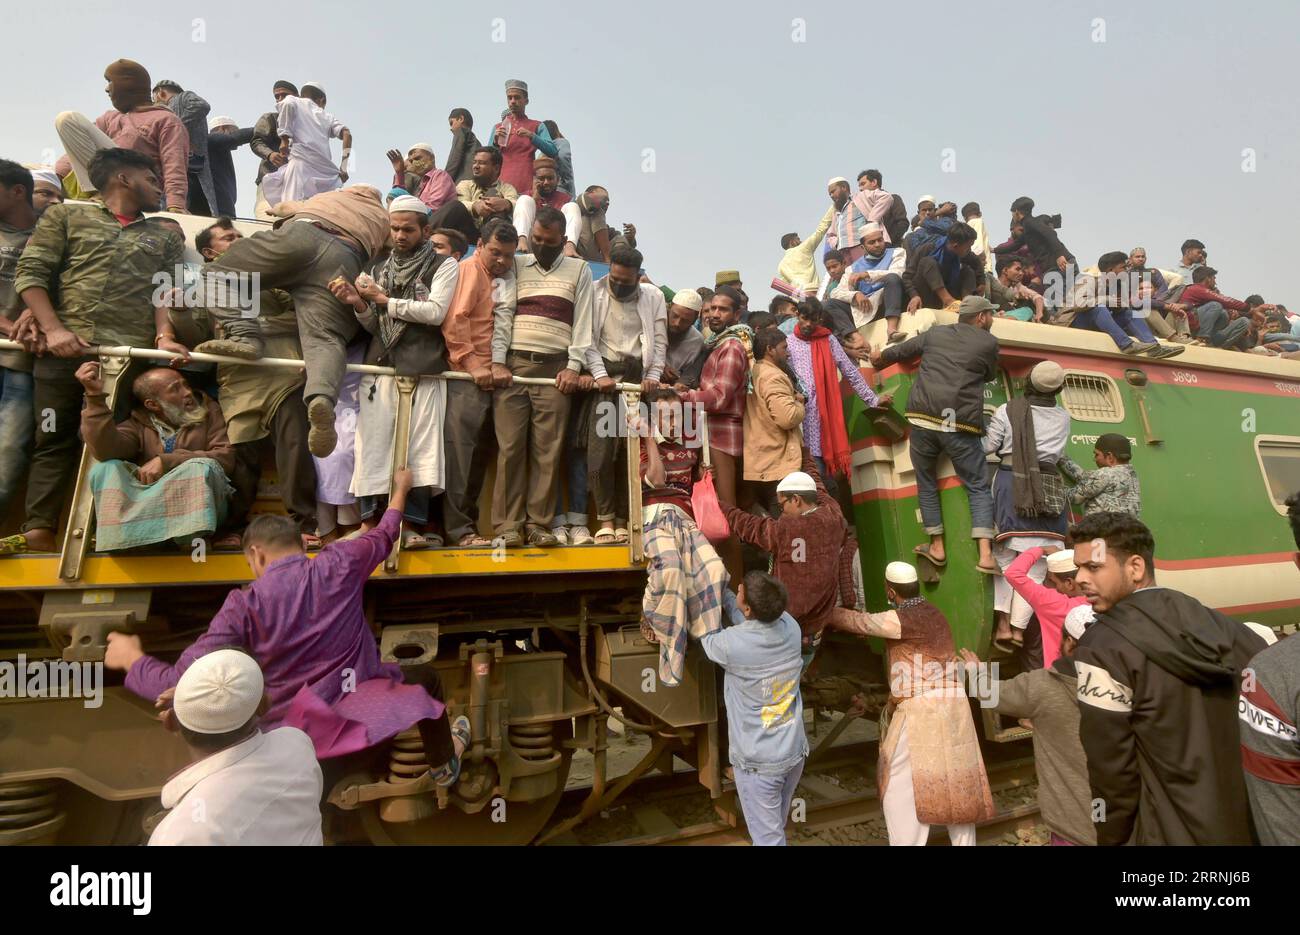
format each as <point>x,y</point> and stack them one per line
<point>150,353</point>
<point>113,361</point>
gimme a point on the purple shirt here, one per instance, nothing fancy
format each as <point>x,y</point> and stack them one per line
<point>303,622</point>
<point>801,364</point>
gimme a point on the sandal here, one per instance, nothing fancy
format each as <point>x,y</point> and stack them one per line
<point>606,536</point>
<point>13,545</point>
<point>414,540</point>
<point>995,571</point>
<point>924,552</point>
<point>473,541</point>
<point>230,542</point>
<point>311,542</point>
<point>447,775</point>
<point>621,535</point>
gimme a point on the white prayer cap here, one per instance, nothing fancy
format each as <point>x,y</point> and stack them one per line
<point>1062,562</point>
<point>516,84</point>
<point>427,147</point>
<point>837,180</point>
<point>45,174</point>
<point>688,298</point>
<point>900,573</point>
<point>214,122</point>
<point>219,693</point>
<point>871,227</point>
<point>1048,376</point>
<point>929,198</point>
<point>408,203</point>
<point>797,482</point>
<point>316,85</point>
<point>1078,619</point>
<point>1267,634</point>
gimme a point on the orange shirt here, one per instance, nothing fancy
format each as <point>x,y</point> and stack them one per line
<point>467,329</point>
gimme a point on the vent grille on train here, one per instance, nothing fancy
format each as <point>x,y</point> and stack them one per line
<point>1092,397</point>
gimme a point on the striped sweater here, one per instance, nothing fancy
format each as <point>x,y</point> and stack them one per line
<point>549,313</point>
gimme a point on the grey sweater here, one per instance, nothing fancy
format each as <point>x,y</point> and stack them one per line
<point>1047,697</point>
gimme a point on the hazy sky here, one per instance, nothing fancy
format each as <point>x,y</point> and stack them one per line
<point>715,128</point>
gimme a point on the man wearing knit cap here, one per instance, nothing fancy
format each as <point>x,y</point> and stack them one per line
<point>419,175</point>
<point>1028,434</point>
<point>518,137</point>
<point>246,787</point>
<point>135,122</point>
<point>266,146</point>
<point>1046,697</point>
<point>686,353</point>
<point>305,129</point>
<point>224,137</point>
<point>807,544</point>
<point>546,193</point>
<point>193,111</point>
<point>930,769</point>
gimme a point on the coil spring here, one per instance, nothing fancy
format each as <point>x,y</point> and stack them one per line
<point>27,805</point>
<point>406,759</point>
<point>532,741</point>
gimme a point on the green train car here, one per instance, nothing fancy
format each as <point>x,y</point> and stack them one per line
<point>1216,444</point>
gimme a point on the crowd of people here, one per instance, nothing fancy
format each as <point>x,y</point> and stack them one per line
<point>512,315</point>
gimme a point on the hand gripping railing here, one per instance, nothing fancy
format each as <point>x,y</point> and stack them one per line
<point>113,363</point>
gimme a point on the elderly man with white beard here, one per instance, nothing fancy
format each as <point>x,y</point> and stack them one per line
<point>163,473</point>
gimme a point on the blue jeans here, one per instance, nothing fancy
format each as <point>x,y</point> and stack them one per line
<point>576,482</point>
<point>1118,324</point>
<point>17,431</point>
<point>967,454</point>
<point>765,802</point>
<point>1217,329</point>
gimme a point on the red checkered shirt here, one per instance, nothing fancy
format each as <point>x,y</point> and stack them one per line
<point>722,391</point>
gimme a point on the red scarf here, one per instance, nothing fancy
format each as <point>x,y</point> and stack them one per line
<point>826,377</point>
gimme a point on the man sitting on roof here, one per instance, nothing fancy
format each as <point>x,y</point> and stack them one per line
<point>163,473</point>
<point>1222,319</point>
<point>419,175</point>
<point>937,276</point>
<point>1010,295</point>
<point>877,278</point>
<point>546,193</point>
<point>1098,304</point>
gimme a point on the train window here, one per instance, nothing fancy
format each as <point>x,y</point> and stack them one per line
<point>1279,462</point>
<point>1092,397</point>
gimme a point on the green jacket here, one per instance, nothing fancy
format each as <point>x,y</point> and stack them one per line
<point>102,276</point>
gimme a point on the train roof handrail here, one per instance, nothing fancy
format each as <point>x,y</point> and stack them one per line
<point>150,353</point>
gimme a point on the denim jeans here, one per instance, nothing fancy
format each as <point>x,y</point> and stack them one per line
<point>1119,324</point>
<point>967,454</point>
<point>17,431</point>
<point>765,802</point>
<point>1217,329</point>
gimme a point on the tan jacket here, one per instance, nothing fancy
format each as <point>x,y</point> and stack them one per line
<point>772,425</point>
<point>137,441</point>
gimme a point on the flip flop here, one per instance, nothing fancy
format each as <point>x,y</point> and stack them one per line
<point>415,540</point>
<point>473,541</point>
<point>228,543</point>
<point>13,545</point>
<point>924,552</point>
<point>311,542</point>
<point>995,571</point>
<point>621,535</point>
<point>606,536</point>
<point>1005,647</point>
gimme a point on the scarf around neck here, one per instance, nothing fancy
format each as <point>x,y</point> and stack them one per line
<point>1026,479</point>
<point>401,277</point>
<point>830,411</point>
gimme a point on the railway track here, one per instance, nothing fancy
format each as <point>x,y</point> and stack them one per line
<point>643,818</point>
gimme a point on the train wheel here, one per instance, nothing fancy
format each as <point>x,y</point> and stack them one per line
<point>523,822</point>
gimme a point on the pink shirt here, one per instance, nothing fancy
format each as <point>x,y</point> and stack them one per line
<point>160,135</point>
<point>438,189</point>
<point>1049,604</point>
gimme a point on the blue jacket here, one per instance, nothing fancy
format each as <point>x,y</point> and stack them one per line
<point>764,709</point>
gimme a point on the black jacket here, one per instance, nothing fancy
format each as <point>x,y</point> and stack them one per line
<point>460,158</point>
<point>266,140</point>
<point>221,148</point>
<point>956,361</point>
<point>1044,246</point>
<point>1159,675</point>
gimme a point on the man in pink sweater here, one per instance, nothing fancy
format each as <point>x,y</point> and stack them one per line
<point>135,122</point>
<point>1050,601</point>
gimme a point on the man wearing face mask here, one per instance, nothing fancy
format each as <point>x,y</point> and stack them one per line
<point>135,122</point>
<point>595,237</point>
<point>419,175</point>
<point>543,329</point>
<point>629,328</point>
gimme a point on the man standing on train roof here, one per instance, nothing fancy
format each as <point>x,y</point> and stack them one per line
<point>930,769</point>
<point>303,620</point>
<point>518,137</point>
<point>1159,676</point>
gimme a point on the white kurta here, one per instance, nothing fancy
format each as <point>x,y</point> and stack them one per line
<point>378,415</point>
<point>310,169</point>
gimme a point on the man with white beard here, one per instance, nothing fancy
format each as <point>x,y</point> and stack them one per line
<point>163,473</point>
